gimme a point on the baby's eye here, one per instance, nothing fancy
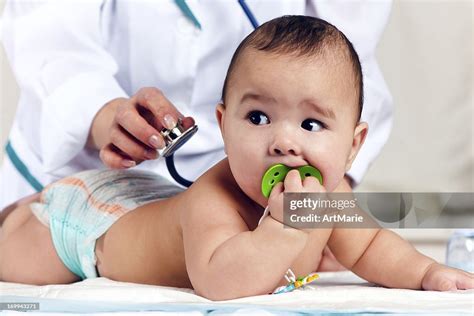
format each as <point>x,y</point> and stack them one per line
<point>258,118</point>
<point>312,125</point>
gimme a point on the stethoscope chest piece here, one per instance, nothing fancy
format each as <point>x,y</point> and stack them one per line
<point>176,137</point>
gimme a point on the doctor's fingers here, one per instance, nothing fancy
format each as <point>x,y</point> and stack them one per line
<point>113,158</point>
<point>163,110</point>
<point>129,118</point>
<point>186,122</point>
<point>130,146</point>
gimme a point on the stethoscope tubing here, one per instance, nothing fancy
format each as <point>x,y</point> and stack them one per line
<point>170,159</point>
<point>248,13</point>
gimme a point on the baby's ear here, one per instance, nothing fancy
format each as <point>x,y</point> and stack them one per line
<point>360,133</point>
<point>220,112</point>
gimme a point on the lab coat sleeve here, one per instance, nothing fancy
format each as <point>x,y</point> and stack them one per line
<point>363,23</point>
<point>56,50</point>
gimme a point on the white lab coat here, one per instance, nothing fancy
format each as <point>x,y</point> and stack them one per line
<point>71,57</point>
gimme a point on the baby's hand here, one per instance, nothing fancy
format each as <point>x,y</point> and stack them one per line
<point>291,184</point>
<point>442,278</point>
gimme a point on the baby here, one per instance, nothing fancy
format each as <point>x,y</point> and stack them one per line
<point>292,95</point>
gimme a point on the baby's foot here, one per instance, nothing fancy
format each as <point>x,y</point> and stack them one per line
<point>439,277</point>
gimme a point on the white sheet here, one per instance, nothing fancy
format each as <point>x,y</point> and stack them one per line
<point>333,292</point>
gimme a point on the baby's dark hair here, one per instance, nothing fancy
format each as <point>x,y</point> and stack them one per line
<point>301,36</point>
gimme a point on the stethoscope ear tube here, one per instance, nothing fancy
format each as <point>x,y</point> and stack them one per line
<point>248,13</point>
<point>177,136</point>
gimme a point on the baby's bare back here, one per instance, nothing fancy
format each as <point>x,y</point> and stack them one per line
<point>145,246</point>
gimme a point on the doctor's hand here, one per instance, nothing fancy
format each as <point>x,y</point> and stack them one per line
<point>126,131</point>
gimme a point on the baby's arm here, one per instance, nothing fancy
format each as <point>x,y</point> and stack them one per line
<point>381,256</point>
<point>224,259</point>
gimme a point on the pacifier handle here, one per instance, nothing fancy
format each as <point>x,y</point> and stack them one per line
<point>277,173</point>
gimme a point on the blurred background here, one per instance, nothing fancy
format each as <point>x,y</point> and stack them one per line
<point>426,55</point>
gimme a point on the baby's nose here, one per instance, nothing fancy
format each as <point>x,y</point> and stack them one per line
<point>284,152</point>
<point>285,146</point>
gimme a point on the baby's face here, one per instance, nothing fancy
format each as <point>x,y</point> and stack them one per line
<point>294,111</point>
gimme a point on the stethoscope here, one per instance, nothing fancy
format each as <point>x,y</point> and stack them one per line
<point>178,136</point>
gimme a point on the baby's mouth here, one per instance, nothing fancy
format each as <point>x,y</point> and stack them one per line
<point>277,173</point>
<point>290,163</point>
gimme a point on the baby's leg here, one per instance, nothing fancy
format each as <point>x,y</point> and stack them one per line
<point>26,200</point>
<point>329,262</point>
<point>27,253</point>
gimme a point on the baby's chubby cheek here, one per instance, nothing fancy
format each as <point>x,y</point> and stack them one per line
<point>332,170</point>
<point>247,171</point>
<point>333,179</point>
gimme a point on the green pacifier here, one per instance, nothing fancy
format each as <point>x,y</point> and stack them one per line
<point>277,173</point>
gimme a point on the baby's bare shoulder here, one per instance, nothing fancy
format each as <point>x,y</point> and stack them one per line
<point>213,200</point>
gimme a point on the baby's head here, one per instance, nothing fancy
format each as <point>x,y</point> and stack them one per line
<point>293,94</point>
